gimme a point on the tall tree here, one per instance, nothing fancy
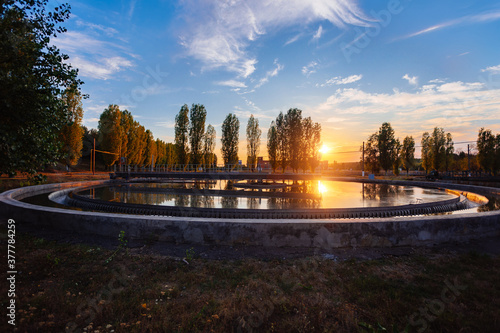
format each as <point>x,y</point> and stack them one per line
<point>197,119</point>
<point>230,139</point>
<point>110,134</point>
<point>181,135</point>
<point>372,161</point>
<point>486,146</point>
<point>315,142</point>
<point>438,151</point>
<point>408,153</point>
<point>33,77</point>
<point>272,146</point>
<point>449,150</point>
<point>253,141</point>
<point>282,139</point>
<point>426,152</point>
<point>293,121</point>
<point>126,126</point>
<point>387,145</point>
<point>150,151</point>
<point>72,132</point>
<point>209,146</point>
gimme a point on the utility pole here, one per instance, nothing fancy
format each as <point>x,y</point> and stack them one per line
<point>468,159</point>
<point>93,158</point>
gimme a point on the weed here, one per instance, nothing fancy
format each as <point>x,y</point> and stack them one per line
<point>121,246</point>
<point>190,254</point>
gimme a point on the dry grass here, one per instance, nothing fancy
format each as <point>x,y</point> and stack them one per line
<point>61,286</point>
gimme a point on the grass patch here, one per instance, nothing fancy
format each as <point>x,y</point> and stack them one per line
<point>61,286</point>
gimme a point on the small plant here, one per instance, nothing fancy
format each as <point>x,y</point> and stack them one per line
<point>55,260</point>
<point>190,254</point>
<point>122,245</point>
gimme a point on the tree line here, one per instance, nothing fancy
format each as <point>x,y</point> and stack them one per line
<point>293,141</point>
<point>383,151</point>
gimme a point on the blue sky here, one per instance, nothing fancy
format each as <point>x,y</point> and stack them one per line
<point>350,65</point>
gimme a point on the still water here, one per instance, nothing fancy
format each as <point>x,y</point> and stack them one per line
<point>291,195</point>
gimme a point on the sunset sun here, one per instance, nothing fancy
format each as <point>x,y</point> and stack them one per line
<point>324,149</point>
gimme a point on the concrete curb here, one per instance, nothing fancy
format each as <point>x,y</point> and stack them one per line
<point>322,234</point>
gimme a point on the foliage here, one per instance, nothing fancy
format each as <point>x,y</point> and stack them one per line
<point>408,153</point>
<point>197,119</point>
<point>282,139</point>
<point>72,132</point>
<point>110,133</point>
<point>230,139</point>
<point>33,76</point>
<point>253,141</point>
<point>488,147</point>
<point>387,146</point>
<point>372,163</point>
<point>293,125</point>
<point>426,152</point>
<point>181,135</point>
<point>209,146</point>
<point>272,145</point>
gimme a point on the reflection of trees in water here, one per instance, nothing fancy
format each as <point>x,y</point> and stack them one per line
<point>229,202</point>
<point>289,203</point>
<point>493,204</point>
<point>379,191</point>
<point>208,201</point>
<point>181,200</point>
<point>252,203</point>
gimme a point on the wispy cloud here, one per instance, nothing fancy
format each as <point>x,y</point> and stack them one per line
<point>487,16</point>
<point>309,68</point>
<point>318,33</point>
<point>220,33</point>
<point>492,69</point>
<point>94,57</point>
<point>413,80</point>
<point>102,68</point>
<point>272,73</point>
<point>339,80</point>
<point>232,83</point>
<point>293,39</point>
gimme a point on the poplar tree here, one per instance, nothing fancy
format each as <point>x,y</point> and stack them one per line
<point>110,135</point>
<point>181,135</point>
<point>253,141</point>
<point>197,119</point>
<point>72,132</point>
<point>230,139</point>
<point>408,153</point>
<point>272,146</point>
<point>209,146</point>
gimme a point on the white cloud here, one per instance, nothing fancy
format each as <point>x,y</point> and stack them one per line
<point>413,80</point>
<point>220,33</point>
<point>469,19</point>
<point>166,124</point>
<point>232,83</point>
<point>460,107</point>
<point>309,68</point>
<point>492,69</point>
<point>271,73</point>
<point>318,33</point>
<point>339,80</point>
<point>293,39</point>
<point>94,58</point>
